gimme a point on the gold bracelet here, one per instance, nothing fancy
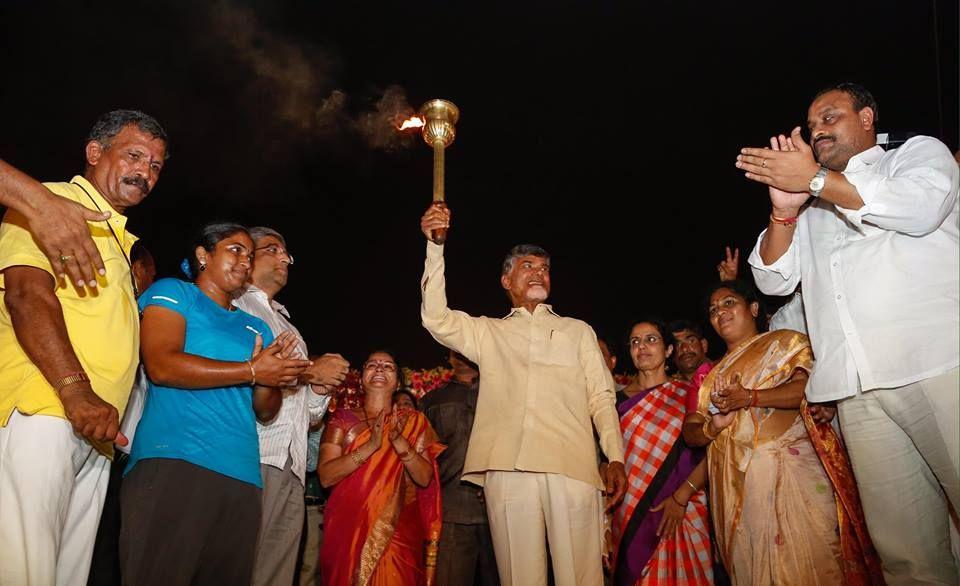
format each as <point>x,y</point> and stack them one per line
<point>357,458</point>
<point>692,485</point>
<point>253,373</point>
<point>70,379</point>
<point>706,434</point>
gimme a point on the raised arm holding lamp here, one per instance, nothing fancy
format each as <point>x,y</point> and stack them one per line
<point>544,387</point>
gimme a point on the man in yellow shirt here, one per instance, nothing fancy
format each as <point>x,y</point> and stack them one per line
<point>68,355</point>
<point>542,381</point>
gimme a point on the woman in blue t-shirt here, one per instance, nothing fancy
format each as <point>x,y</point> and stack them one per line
<point>191,499</point>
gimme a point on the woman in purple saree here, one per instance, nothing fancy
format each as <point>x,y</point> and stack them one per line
<point>661,531</point>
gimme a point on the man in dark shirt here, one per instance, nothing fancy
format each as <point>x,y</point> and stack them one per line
<point>466,553</point>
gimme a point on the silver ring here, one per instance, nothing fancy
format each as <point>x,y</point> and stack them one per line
<point>764,164</point>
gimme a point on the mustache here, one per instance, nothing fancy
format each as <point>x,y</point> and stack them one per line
<point>824,137</point>
<point>138,182</point>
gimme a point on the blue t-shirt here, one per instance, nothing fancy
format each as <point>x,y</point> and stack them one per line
<point>213,428</point>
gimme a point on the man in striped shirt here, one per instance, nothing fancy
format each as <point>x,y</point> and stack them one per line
<point>283,441</point>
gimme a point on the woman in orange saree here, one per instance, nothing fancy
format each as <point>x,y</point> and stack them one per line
<point>382,521</point>
<point>783,499</point>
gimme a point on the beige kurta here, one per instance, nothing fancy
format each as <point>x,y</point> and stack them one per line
<point>542,382</point>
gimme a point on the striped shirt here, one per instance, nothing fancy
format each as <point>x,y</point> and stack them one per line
<point>286,434</point>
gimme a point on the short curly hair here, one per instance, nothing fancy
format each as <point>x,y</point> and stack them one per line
<point>110,124</point>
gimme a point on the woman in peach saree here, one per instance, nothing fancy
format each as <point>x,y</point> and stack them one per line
<point>382,521</point>
<point>783,499</point>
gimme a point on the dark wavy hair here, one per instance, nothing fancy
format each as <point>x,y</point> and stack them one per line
<point>678,325</point>
<point>407,392</point>
<point>139,252</point>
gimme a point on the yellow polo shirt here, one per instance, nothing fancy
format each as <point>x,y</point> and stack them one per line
<point>104,327</point>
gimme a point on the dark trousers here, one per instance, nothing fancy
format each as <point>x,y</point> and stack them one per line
<point>465,556</point>
<point>185,525</point>
<point>105,566</point>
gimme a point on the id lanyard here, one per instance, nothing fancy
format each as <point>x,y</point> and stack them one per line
<point>133,280</point>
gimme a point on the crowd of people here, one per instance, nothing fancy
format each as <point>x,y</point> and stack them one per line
<point>178,431</point>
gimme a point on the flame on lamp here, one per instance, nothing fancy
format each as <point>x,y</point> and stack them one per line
<point>412,122</point>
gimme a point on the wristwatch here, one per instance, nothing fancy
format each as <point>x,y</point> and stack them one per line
<point>818,181</point>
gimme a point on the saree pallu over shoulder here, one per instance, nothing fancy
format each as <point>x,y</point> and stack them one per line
<point>657,460</point>
<point>763,362</point>
<point>380,528</point>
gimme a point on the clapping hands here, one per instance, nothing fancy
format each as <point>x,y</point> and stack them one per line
<point>275,365</point>
<point>729,395</point>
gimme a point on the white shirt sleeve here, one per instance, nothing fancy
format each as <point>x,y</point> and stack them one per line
<point>780,277</point>
<point>917,195</point>
<point>316,404</point>
<point>454,329</point>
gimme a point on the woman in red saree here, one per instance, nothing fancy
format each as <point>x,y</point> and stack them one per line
<point>382,521</point>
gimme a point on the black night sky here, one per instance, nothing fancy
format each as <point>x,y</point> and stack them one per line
<point>606,132</point>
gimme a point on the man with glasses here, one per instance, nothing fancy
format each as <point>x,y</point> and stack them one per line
<point>283,441</point>
<point>544,387</point>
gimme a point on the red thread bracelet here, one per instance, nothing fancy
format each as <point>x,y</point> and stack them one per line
<point>784,221</point>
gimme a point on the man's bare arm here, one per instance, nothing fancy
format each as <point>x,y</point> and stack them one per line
<point>37,318</point>
<point>58,225</point>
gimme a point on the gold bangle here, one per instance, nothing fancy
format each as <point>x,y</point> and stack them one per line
<point>692,485</point>
<point>70,379</point>
<point>706,434</point>
<point>357,458</point>
<point>253,373</point>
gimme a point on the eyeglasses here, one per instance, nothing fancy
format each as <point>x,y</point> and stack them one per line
<point>648,340</point>
<point>380,365</point>
<point>276,250</point>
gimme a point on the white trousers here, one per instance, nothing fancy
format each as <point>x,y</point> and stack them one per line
<point>529,509</point>
<point>52,486</point>
<point>904,444</point>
